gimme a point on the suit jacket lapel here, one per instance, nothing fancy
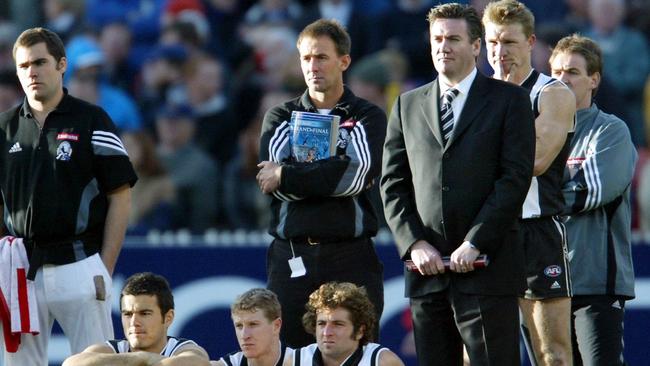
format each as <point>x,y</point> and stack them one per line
<point>430,110</point>
<point>476,101</point>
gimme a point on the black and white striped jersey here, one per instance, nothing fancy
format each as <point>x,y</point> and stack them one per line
<point>544,196</point>
<point>173,345</point>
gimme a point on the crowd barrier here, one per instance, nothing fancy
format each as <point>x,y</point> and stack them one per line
<point>207,273</point>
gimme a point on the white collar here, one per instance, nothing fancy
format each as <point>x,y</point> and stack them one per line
<point>463,86</point>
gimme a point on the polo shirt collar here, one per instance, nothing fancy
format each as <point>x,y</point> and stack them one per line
<point>63,106</point>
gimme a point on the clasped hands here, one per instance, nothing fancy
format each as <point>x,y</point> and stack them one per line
<point>429,262</point>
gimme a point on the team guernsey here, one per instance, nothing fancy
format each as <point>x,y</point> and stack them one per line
<point>367,355</point>
<point>238,358</point>
<point>542,231</point>
<point>544,196</point>
<point>173,345</point>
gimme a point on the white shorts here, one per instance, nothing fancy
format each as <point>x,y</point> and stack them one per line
<point>67,293</point>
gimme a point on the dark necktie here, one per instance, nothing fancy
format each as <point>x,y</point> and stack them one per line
<point>447,114</point>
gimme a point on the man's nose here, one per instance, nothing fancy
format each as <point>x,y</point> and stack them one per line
<point>327,329</point>
<point>563,77</point>
<point>499,50</point>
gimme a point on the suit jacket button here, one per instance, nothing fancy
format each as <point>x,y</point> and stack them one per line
<point>446,155</point>
<point>445,188</point>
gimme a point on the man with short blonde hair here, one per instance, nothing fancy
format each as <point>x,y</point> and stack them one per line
<point>545,305</point>
<point>256,316</point>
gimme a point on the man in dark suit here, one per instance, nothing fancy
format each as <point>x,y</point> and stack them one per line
<point>458,160</point>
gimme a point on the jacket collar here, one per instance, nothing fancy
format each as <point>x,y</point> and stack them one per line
<point>342,108</point>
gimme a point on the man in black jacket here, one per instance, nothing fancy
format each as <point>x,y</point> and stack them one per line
<point>65,188</point>
<point>322,215</point>
<point>457,164</point>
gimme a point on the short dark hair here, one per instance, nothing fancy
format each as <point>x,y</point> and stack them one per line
<point>585,47</point>
<point>328,28</point>
<point>33,36</point>
<point>147,283</point>
<point>348,296</point>
<point>258,299</point>
<point>459,11</point>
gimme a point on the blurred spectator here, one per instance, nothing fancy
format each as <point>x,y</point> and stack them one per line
<point>115,41</point>
<point>373,8</point>
<point>142,16</point>
<point>245,205</point>
<point>8,34</point>
<point>11,93</point>
<point>183,33</point>
<point>162,80</point>
<point>85,60</point>
<point>368,79</point>
<point>184,22</point>
<point>224,17</point>
<point>547,35</point>
<point>646,109</point>
<point>546,11</point>
<point>638,16</point>
<point>24,13</point>
<point>190,168</point>
<point>403,29</point>
<point>273,12</point>
<point>397,66</point>
<point>214,119</point>
<point>577,16</point>
<point>274,46</point>
<point>354,20</point>
<point>626,58</point>
<point>65,17</point>
<point>152,201</point>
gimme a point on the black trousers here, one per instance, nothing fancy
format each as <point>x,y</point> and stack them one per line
<point>597,330</point>
<point>487,325</point>
<point>355,261</point>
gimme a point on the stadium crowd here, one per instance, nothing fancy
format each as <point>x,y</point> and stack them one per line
<point>187,83</point>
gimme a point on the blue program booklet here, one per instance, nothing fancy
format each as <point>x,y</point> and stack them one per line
<point>313,136</point>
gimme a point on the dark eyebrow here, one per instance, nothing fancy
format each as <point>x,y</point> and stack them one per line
<point>36,61</point>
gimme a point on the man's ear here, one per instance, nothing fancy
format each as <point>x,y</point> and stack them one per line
<point>531,41</point>
<point>277,325</point>
<point>595,80</point>
<point>360,333</point>
<point>168,318</point>
<point>62,65</point>
<point>344,62</point>
<point>476,47</point>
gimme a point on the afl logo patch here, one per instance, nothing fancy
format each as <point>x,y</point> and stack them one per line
<point>553,271</point>
<point>64,151</point>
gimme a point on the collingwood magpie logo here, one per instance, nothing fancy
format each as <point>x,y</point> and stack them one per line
<point>64,151</point>
<point>15,148</point>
